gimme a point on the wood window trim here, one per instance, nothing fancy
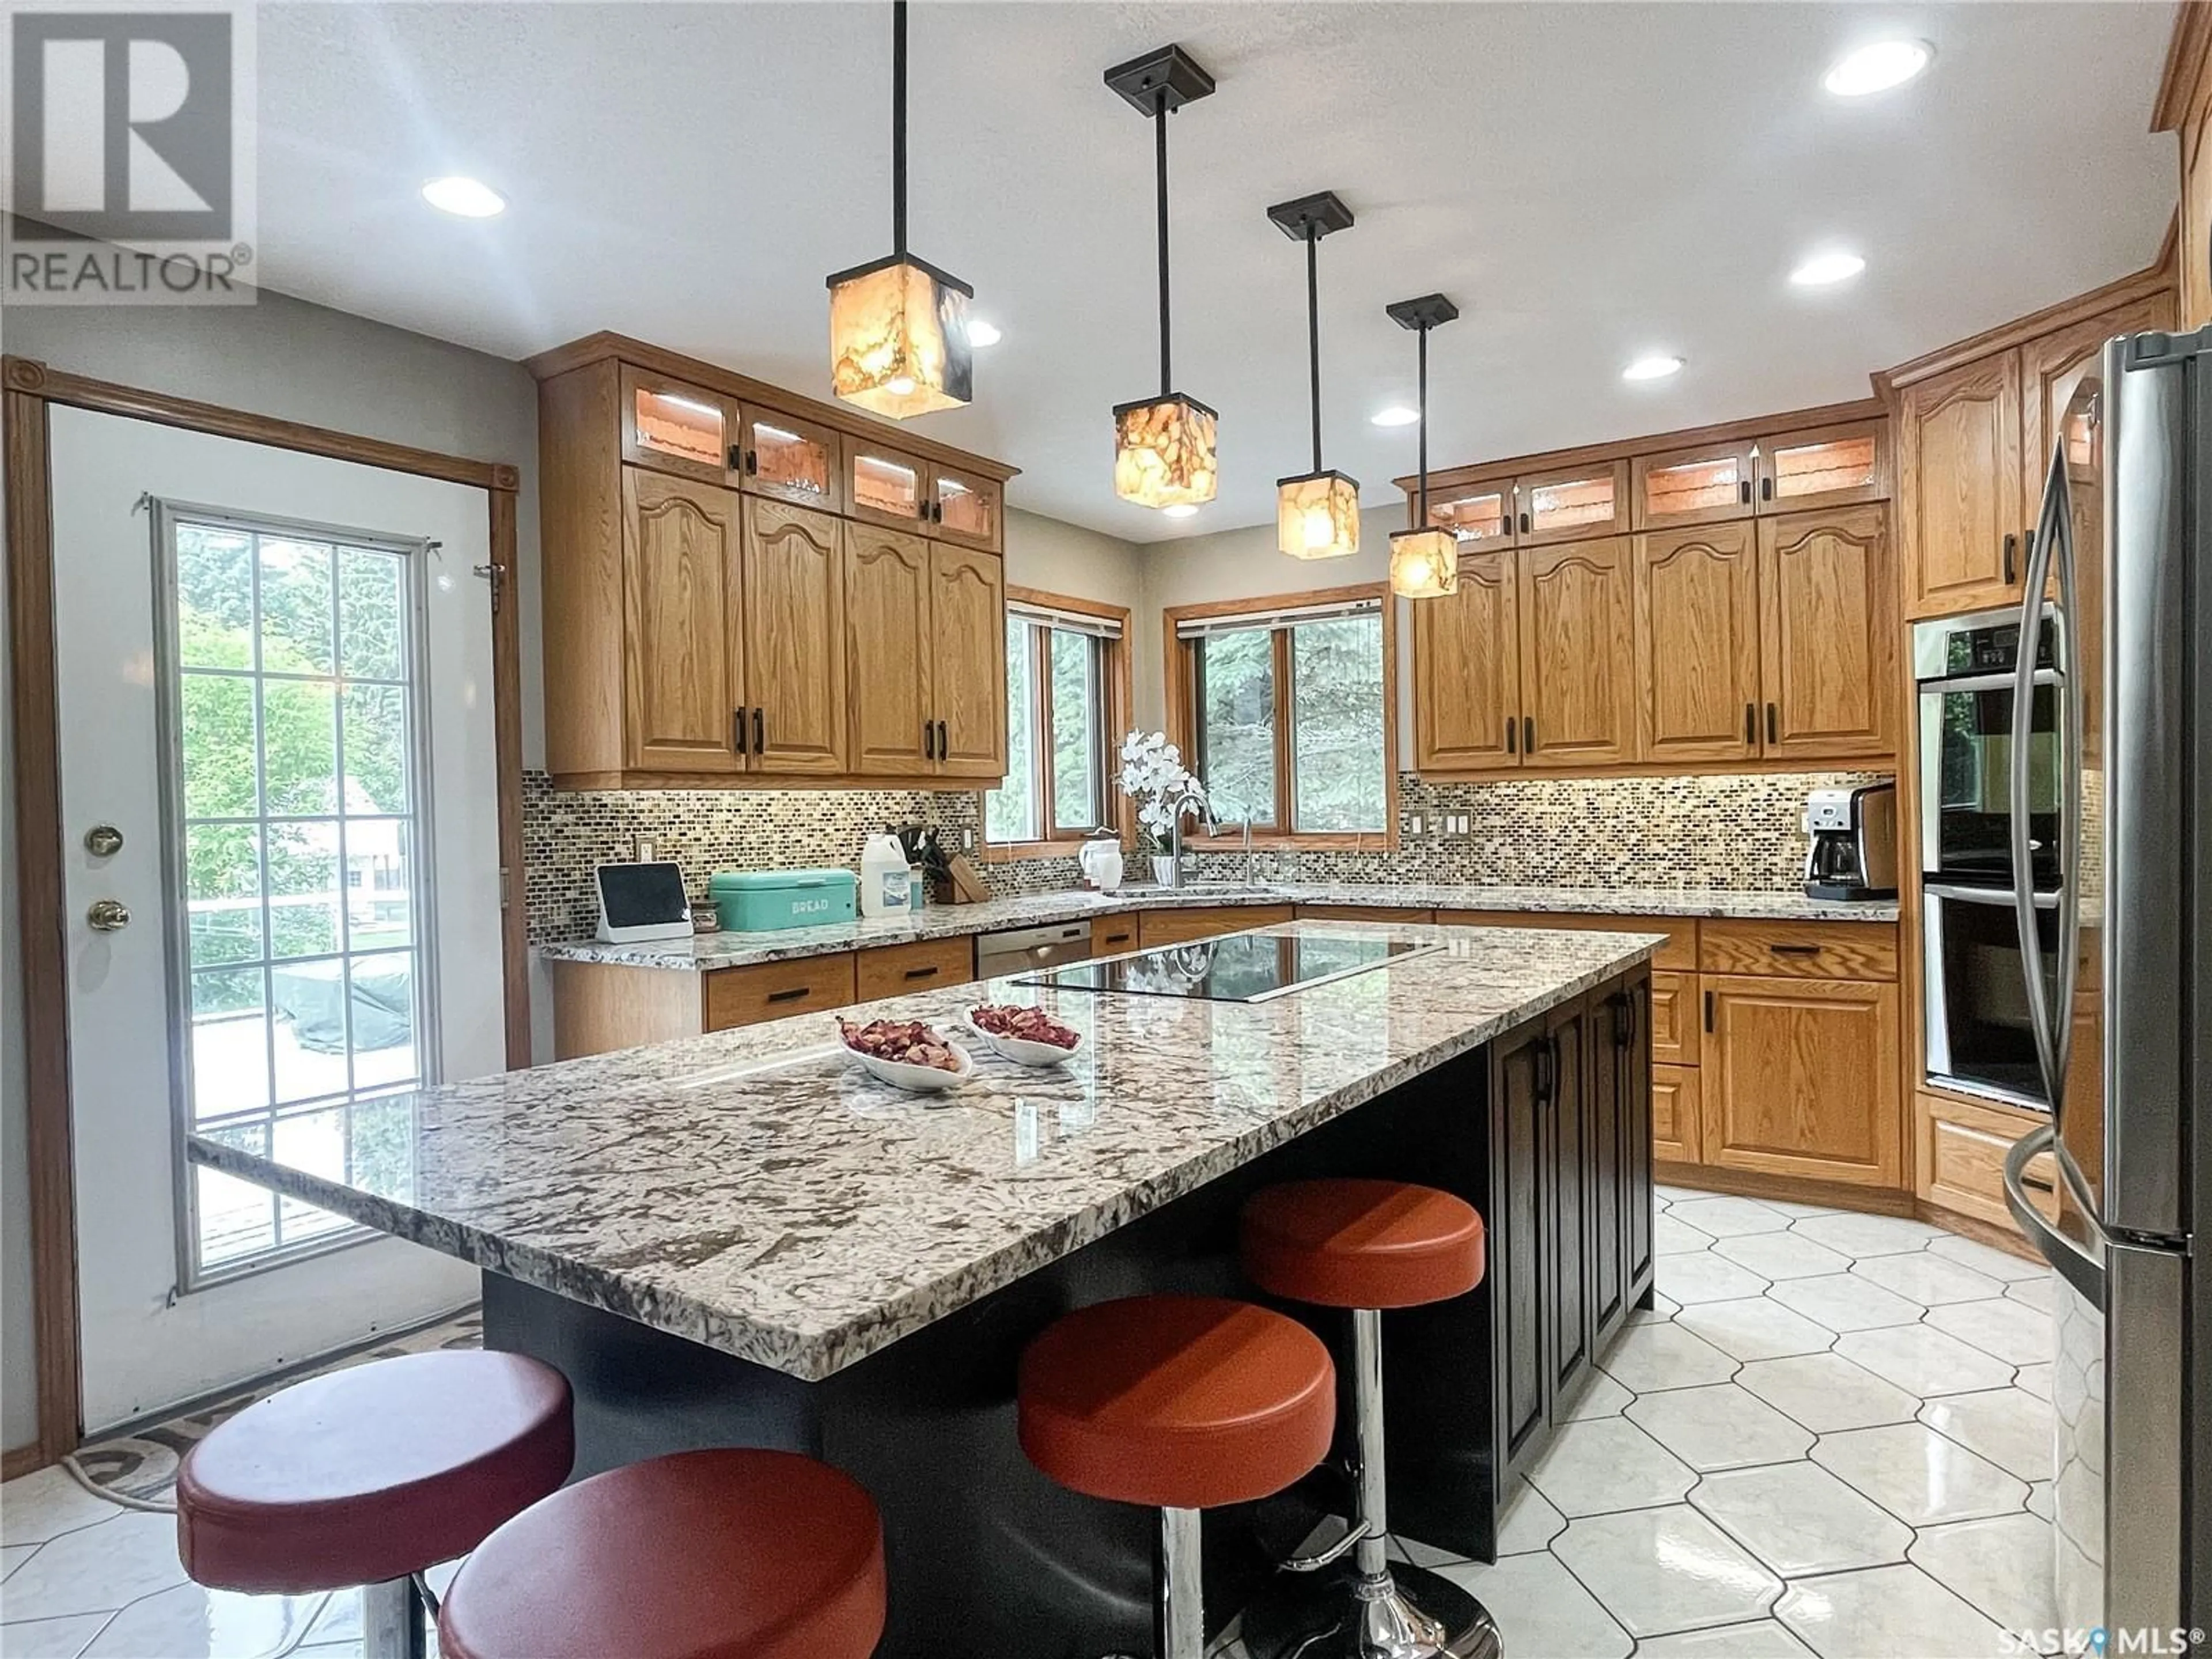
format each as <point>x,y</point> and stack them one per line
<point>1183,723</point>
<point>1116,713</point>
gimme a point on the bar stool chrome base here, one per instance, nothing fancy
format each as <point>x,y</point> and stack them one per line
<point>1407,1612</point>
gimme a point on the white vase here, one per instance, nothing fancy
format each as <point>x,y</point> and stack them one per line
<point>1101,860</point>
<point>1164,872</point>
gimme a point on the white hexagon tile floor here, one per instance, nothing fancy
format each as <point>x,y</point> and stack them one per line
<point>1829,1439</point>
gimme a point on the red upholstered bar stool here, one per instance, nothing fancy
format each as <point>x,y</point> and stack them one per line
<point>1367,1245</point>
<point>370,1475</point>
<point>725,1554</point>
<point>1180,1403</point>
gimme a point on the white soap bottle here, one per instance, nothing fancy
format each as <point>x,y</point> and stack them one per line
<point>885,890</point>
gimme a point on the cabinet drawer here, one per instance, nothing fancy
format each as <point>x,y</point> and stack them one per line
<point>746,996</point>
<point>892,970</point>
<point>1361,913</point>
<point>1962,1154</point>
<point>1680,952</point>
<point>1111,935</point>
<point>1675,1113</point>
<point>1173,926</point>
<point>1800,950</point>
<point>1674,1023</point>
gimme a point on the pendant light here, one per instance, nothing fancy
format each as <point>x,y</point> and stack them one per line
<point>1424,560</point>
<point>898,327</point>
<point>1163,447</point>
<point>1318,512</point>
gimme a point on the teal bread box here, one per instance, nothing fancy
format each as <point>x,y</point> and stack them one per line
<point>761,901</point>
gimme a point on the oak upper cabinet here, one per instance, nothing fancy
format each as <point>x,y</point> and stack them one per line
<point>1801,1078</point>
<point>792,460</point>
<point>1577,654</point>
<point>964,507</point>
<point>683,659</point>
<point>2051,368</point>
<point>1698,641</point>
<point>794,640</point>
<point>1571,504</point>
<point>1961,493</point>
<point>887,650</point>
<point>885,486</point>
<point>1702,485</point>
<point>1823,466</point>
<point>1466,668</point>
<point>968,681</point>
<point>1478,514</point>
<point>670,426</point>
<point>1828,635</point>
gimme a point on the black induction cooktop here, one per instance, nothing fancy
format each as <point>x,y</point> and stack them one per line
<point>1239,968</point>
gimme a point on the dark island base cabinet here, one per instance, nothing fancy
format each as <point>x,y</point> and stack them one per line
<point>1548,1131</point>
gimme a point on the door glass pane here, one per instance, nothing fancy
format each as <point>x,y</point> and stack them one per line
<point>312,1017</point>
<point>237,1219</point>
<point>375,749</point>
<point>1336,725</point>
<point>886,486</point>
<point>1716,481</point>
<point>218,736</point>
<point>229,1042</point>
<point>792,462</point>
<point>381,1008</point>
<point>1010,811</point>
<point>1571,502</point>
<point>1237,724</point>
<point>371,592</point>
<point>379,895</point>
<point>299,745</point>
<point>688,428</point>
<point>1077,798</point>
<point>963,508</point>
<point>222,893</point>
<point>297,626</point>
<point>1477,516</point>
<point>215,598</point>
<point>1814,469</point>
<point>315,1142</point>
<point>304,907</point>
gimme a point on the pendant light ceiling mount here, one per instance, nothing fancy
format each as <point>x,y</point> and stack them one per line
<point>1423,559</point>
<point>1316,512</point>
<point>898,326</point>
<point>1163,447</point>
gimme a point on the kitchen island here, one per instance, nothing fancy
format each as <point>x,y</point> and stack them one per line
<point>743,1239</point>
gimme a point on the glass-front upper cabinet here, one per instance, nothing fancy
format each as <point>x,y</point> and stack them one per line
<point>1475,512</point>
<point>964,507</point>
<point>793,459</point>
<point>1571,503</point>
<point>673,426</point>
<point>1693,486</point>
<point>1823,466</point>
<point>885,486</point>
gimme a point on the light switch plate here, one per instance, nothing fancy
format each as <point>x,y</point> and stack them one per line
<point>644,851</point>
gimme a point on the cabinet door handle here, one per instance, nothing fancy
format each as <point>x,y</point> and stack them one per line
<point>790,993</point>
<point>760,733</point>
<point>929,740</point>
<point>921,510</point>
<point>752,463</point>
<point>921,972</point>
<point>1743,492</point>
<point>1750,724</point>
<point>1524,524</point>
<point>1527,734</point>
<point>738,731</point>
<point>1709,1011</point>
<point>937,512</point>
<point>943,750</point>
<point>1544,1071</point>
<point>1766,489</point>
<point>737,459</point>
<point>1795,950</point>
<point>2011,552</point>
<point>1773,722</point>
<point>1512,734</point>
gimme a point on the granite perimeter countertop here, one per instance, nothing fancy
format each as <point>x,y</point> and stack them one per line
<point>756,1192</point>
<point>707,951</point>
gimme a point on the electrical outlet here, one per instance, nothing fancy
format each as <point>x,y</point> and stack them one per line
<point>644,851</point>
<point>967,841</point>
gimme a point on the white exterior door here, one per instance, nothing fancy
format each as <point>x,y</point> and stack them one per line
<point>275,682</point>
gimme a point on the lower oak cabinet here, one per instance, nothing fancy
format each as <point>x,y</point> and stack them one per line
<point>1801,1078</point>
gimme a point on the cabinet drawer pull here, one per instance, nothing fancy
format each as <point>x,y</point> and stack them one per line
<point>1773,722</point>
<point>1709,1011</point>
<point>790,993</point>
<point>1795,950</point>
<point>2011,550</point>
<point>760,733</point>
<point>738,729</point>
<point>923,973</point>
<point>2037,1183</point>
<point>1512,734</point>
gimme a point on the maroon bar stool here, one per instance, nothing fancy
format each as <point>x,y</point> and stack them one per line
<point>724,1554</point>
<point>368,1476</point>
<point>1180,1403</point>
<point>1367,1245</point>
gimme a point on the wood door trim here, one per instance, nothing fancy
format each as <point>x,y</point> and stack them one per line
<point>2187,50</point>
<point>32,387</point>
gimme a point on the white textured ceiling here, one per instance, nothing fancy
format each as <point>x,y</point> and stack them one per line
<point>1589,182</point>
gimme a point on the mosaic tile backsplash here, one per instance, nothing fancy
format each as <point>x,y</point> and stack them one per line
<point>1736,831</point>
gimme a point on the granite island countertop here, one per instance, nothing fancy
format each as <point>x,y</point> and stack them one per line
<point>755,1192</point>
<point>712,951</point>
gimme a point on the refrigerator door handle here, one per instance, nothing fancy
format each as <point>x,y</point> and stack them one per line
<point>2023,866</point>
<point>2075,1263</point>
<point>2057,530</point>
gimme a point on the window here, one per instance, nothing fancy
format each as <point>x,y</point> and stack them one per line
<point>1067,697</point>
<point>1286,706</point>
<point>292,707</point>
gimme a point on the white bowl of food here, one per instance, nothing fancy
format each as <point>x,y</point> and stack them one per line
<point>908,1053</point>
<point>1027,1036</point>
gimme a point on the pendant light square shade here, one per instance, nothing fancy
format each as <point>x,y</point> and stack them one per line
<point>1424,564</point>
<point>1163,452</point>
<point>898,338</point>
<point>1317,515</point>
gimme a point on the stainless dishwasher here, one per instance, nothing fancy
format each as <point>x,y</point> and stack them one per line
<point>1023,949</point>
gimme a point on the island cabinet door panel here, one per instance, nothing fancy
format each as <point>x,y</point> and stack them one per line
<point>1604,1162</point>
<point>1577,654</point>
<point>888,651</point>
<point>1467,669</point>
<point>1516,1222</point>
<point>1673,1023</point>
<point>1674,1112</point>
<point>1828,636</point>
<point>1568,1155</point>
<point>1638,1229</point>
<point>795,639</point>
<point>1696,643</point>
<point>968,678</point>
<point>1959,486</point>
<point>1801,1078</point>
<point>682,650</point>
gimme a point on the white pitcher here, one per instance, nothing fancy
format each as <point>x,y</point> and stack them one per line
<point>1101,859</point>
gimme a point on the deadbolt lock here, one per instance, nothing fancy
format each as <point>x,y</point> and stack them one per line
<point>107,916</point>
<point>103,840</point>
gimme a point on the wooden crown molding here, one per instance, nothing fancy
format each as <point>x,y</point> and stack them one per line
<point>1863,409</point>
<point>604,346</point>
<point>2186,53</point>
<point>2142,284</point>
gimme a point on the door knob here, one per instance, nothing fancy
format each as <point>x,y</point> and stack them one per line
<point>107,916</point>
<point>103,840</point>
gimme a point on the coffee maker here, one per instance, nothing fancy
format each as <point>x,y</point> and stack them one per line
<point>1854,850</point>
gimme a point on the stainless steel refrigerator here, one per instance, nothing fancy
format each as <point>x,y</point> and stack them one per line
<point>2120,990</point>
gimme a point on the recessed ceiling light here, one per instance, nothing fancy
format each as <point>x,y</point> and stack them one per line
<point>1822,269</point>
<point>980,333</point>
<point>1651,368</point>
<point>467,197</point>
<point>1877,67</point>
<point>1396,415</point>
<point>1180,510</point>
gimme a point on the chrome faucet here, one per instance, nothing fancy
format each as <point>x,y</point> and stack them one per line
<point>1251,859</point>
